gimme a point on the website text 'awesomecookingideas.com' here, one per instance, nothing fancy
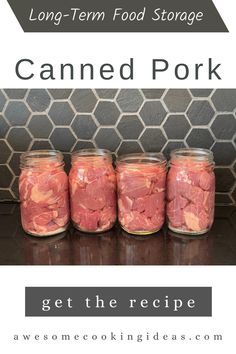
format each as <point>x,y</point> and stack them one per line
<point>114,336</point>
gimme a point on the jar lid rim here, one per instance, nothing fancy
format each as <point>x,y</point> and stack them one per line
<point>41,154</point>
<point>200,154</point>
<point>91,152</point>
<point>151,157</point>
<point>35,158</point>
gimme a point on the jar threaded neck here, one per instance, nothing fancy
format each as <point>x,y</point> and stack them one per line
<point>142,159</point>
<point>41,159</point>
<point>91,154</point>
<point>193,155</point>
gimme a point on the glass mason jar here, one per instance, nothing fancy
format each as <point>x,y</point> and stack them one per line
<point>191,191</point>
<point>92,184</point>
<point>44,196</point>
<point>141,182</point>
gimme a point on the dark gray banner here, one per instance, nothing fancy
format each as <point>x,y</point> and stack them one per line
<point>118,16</point>
<point>118,301</point>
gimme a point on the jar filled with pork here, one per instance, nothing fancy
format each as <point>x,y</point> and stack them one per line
<point>92,182</point>
<point>44,194</point>
<point>141,182</point>
<point>191,191</point>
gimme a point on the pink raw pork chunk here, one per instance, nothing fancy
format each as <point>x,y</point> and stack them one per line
<point>195,218</point>
<point>141,198</point>
<point>93,195</point>
<point>190,199</point>
<point>44,201</point>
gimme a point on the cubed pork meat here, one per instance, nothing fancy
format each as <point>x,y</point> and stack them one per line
<point>93,194</point>
<point>141,197</point>
<point>190,198</point>
<point>44,200</point>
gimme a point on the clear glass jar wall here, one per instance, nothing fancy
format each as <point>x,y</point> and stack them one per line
<point>141,182</point>
<point>191,191</point>
<point>43,188</point>
<point>92,183</point>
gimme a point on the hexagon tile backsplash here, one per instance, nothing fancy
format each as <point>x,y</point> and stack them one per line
<point>125,120</point>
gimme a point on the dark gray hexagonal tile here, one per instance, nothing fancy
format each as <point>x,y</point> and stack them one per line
<point>222,199</point>
<point>234,167</point>
<point>200,112</point>
<point>4,127</point>
<point>19,139</point>
<point>176,126</point>
<point>129,100</point>
<point>17,113</point>
<point>38,100</point>
<point>224,126</point>
<point>201,92</point>
<point>153,113</point>
<point>224,153</point>
<point>5,195</point>
<point>16,94</point>
<point>62,139</point>
<point>40,126</point>
<point>232,216</point>
<point>5,152</point>
<point>5,176</point>
<point>153,93</point>
<point>15,188</point>
<point>153,140</point>
<point>41,145</point>
<point>172,145</point>
<point>107,113</point>
<point>177,100</point>
<point>234,195</point>
<point>81,144</point>
<point>14,163</point>
<point>61,113</point>
<point>224,100</point>
<point>130,127</point>
<point>200,138</point>
<point>107,138</point>
<point>83,100</point>
<point>8,209</point>
<point>106,93</point>
<point>84,126</point>
<point>60,94</point>
<point>2,101</point>
<point>224,180</point>
<point>129,147</point>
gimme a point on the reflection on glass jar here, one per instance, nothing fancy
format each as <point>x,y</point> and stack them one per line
<point>141,250</point>
<point>92,183</point>
<point>91,249</point>
<point>141,182</point>
<point>189,250</point>
<point>43,187</point>
<point>191,191</point>
<point>55,250</point>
